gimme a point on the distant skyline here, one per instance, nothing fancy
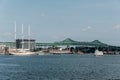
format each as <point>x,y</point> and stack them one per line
<point>56,20</point>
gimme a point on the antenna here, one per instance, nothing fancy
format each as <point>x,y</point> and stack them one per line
<point>29,36</point>
<point>22,37</point>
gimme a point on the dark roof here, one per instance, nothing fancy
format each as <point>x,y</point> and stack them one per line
<point>25,39</point>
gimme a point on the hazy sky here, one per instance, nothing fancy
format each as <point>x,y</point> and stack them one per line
<point>55,20</point>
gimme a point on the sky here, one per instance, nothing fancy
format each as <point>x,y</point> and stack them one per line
<point>56,20</point>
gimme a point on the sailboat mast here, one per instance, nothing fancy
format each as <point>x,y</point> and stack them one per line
<point>15,30</point>
<point>15,33</point>
<point>22,37</point>
<point>29,36</point>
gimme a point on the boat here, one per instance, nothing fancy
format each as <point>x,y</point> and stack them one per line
<point>21,52</point>
<point>98,53</point>
<point>59,52</point>
<point>41,53</point>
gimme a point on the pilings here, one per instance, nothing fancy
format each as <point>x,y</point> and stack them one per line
<point>4,49</point>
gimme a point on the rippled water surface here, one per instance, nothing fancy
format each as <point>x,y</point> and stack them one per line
<point>60,67</point>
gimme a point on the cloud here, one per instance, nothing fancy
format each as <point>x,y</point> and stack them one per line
<point>86,28</point>
<point>6,34</point>
<point>116,26</point>
<point>89,27</point>
<point>42,14</point>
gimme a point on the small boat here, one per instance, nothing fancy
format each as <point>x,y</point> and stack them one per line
<point>59,52</point>
<point>40,53</point>
<point>98,53</point>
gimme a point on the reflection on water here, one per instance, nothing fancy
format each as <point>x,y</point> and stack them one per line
<point>60,67</point>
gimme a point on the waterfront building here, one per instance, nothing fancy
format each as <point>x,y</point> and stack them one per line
<point>25,44</point>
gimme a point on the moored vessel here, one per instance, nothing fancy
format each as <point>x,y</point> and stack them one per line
<point>98,53</point>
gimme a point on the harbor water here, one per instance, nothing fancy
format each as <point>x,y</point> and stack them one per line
<point>60,67</point>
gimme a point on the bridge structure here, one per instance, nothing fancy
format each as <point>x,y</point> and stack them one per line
<point>78,45</point>
<point>71,42</point>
